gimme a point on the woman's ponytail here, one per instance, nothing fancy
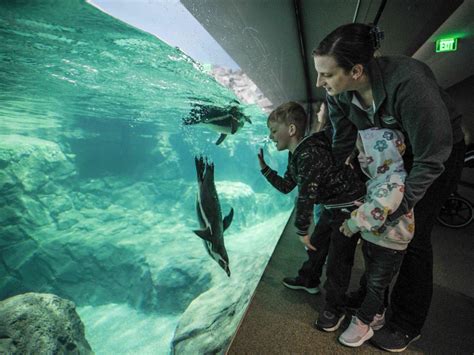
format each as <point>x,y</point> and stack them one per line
<point>351,44</point>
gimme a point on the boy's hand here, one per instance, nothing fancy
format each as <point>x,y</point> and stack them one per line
<point>344,229</point>
<point>305,240</point>
<point>261,159</point>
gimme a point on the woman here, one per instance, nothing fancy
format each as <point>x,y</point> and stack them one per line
<point>400,93</point>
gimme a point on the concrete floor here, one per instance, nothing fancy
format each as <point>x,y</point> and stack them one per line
<point>280,320</point>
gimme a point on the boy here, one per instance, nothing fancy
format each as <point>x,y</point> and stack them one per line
<point>309,274</point>
<point>380,157</point>
<point>320,180</point>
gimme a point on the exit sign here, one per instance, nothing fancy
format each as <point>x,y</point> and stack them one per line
<point>446,45</point>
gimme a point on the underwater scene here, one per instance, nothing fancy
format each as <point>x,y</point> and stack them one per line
<point>129,182</point>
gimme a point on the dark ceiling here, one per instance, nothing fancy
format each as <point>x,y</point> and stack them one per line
<point>262,36</point>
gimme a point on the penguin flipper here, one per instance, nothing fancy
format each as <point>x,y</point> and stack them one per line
<point>234,126</point>
<point>228,219</point>
<point>204,233</point>
<point>221,138</point>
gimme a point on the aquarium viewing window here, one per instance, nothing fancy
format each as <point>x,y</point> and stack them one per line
<point>102,126</point>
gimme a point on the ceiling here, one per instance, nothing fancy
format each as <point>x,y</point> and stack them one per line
<point>452,67</point>
<point>263,36</point>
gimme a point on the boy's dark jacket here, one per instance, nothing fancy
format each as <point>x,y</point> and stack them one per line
<point>320,179</point>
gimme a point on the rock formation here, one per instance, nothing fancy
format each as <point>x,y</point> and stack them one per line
<point>40,323</point>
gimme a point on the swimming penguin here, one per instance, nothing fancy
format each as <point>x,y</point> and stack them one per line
<point>225,120</point>
<point>209,215</point>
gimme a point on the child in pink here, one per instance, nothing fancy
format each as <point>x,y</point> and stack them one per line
<point>384,242</point>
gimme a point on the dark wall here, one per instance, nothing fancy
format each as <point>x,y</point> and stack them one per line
<point>463,95</point>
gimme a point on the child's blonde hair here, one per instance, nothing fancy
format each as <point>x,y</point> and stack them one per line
<point>290,113</point>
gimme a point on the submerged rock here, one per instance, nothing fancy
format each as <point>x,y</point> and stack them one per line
<point>211,320</point>
<point>33,162</point>
<point>40,323</point>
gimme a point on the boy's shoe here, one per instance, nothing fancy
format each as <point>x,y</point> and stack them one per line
<point>296,283</point>
<point>329,321</point>
<point>356,333</point>
<point>393,340</point>
<point>378,322</point>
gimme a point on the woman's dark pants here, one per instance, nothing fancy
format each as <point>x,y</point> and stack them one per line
<point>411,294</point>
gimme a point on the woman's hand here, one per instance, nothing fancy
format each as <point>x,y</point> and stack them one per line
<point>349,161</point>
<point>344,229</point>
<point>261,159</point>
<point>358,203</point>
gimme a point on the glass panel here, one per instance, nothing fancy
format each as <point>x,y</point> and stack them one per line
<point>100,123</point>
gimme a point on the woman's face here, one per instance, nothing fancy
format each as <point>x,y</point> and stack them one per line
<point>331,76</point>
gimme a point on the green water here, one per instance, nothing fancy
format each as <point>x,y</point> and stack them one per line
<point>98,180</point>
<point>66,59</point>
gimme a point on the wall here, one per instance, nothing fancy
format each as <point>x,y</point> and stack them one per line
<point>463,93</point>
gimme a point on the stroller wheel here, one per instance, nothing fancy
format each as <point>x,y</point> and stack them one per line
<point>455,213</point>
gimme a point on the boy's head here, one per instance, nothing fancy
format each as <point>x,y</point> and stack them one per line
<point>287,124</point>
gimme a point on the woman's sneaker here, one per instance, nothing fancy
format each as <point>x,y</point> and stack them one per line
<point>393,340</point>
<point>378,322</point>
<point>296,283</point>
<point>356,334</point>
<point>329,321</point>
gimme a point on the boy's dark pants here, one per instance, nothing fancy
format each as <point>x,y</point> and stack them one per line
<point>411,294</point>
<point>340,261</point>
<point>311,270</point>
<point>381,265</point>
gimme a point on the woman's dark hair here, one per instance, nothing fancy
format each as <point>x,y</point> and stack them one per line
<point>350,44</point>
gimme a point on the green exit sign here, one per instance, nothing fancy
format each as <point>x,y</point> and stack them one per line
<point>447,45</point>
